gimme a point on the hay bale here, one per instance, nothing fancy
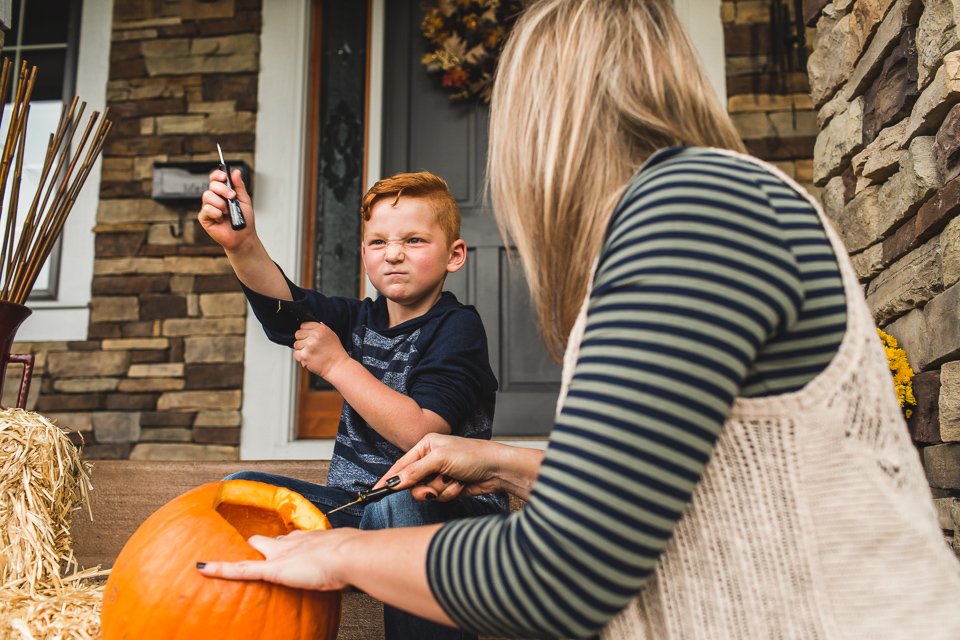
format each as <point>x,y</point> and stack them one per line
<point>43,480</point>
<point>71,611</point>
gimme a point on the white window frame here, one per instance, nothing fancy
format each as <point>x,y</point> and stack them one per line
<point>68,317</point>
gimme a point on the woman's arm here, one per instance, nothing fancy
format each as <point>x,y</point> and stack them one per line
<point>389,565</point>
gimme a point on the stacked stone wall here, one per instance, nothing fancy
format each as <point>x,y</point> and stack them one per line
<point>885,78</point>
<point>770,107</point>
<point>160,376</point>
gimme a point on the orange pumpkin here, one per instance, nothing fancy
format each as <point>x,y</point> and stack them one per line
<point>155,591</point>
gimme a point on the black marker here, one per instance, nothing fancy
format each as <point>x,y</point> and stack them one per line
<point>236,217</point>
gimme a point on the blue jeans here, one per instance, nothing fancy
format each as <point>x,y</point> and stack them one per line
<point>396,510</point>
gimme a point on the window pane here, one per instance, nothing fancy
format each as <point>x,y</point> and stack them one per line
<point>340,179</point>
<point>50,65</point>
<point>46,21</point>
<point>44,117</point>
<point>10,37</point>
<point>343,76</point>
<point>42,36</point>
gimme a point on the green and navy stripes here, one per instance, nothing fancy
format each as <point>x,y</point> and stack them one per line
<point>716,280</point>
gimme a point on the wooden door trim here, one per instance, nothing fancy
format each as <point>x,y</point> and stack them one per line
<point>318,412</point>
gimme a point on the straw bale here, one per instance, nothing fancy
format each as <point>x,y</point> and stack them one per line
<point>43,480</point>
<point>68,613</point>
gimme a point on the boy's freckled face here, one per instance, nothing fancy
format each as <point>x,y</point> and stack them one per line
<point>405,252</point>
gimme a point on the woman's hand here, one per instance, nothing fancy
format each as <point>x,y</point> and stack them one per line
<point>390,565</point>
<point>214,216</point>
<point>318,348</point>
<point>300,559</point>
<point>464,467</point>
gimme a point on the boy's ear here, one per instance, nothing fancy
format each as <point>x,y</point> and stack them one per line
<point>458,256</point>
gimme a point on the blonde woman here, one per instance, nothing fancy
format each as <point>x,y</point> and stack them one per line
<point>728,459</point>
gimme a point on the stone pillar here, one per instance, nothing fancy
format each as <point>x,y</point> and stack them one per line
<point>160,376</point>
<point>885,75</point>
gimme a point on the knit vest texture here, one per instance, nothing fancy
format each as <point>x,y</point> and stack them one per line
<point>813,519</point>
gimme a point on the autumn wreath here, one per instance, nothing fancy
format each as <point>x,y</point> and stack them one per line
<point>464,41</point>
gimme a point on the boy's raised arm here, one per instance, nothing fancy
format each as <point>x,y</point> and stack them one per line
<point>247,255</point>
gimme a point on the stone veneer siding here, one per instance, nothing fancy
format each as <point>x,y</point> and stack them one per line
<point>772,111</point>
<point>161,373</point>
<point>885,77</point>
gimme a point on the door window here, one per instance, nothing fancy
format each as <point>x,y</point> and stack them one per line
<point>335,180</point>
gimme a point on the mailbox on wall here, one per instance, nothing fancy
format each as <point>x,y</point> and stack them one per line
<point>186,181</point>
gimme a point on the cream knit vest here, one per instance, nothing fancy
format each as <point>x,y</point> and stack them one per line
<point>813,519</point>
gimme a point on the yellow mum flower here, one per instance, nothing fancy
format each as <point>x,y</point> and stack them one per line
<point>901,372</point>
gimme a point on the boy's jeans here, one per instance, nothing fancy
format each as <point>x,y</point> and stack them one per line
<point>396,510</point>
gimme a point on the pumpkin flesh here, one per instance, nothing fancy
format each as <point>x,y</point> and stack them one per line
<point>257,509</point>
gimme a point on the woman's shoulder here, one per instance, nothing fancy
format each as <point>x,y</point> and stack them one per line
<point>690,200</point>
<point>698,182</point>
<point>700,168</point>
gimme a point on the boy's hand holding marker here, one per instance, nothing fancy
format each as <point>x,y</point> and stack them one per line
<point>227,213</point>
<point>237,234</point>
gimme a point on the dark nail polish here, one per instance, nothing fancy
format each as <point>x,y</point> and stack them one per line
<point>427,479</point>
<point>447,479</point>
<point>431,496</point>
<point>201,565</point>
<point>394,481</point>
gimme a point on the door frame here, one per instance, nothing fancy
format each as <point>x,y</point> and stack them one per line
<point>703,22</point>
<point>270,375</point>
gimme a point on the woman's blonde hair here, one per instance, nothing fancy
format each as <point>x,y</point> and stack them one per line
<point>586,91</point>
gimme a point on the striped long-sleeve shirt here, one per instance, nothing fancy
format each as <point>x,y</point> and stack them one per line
<point>716,280</point>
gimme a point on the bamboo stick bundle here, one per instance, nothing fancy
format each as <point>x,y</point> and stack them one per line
<point>61,179</point>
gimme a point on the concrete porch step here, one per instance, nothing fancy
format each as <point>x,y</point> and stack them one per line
<point>127,492</point>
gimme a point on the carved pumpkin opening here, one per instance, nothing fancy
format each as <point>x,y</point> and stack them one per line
<point>254,508</point>
<point>250,521</point>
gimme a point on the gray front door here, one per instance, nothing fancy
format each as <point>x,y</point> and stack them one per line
<point>424,131</point>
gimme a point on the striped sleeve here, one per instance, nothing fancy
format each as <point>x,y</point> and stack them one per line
<point>694,277</point>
